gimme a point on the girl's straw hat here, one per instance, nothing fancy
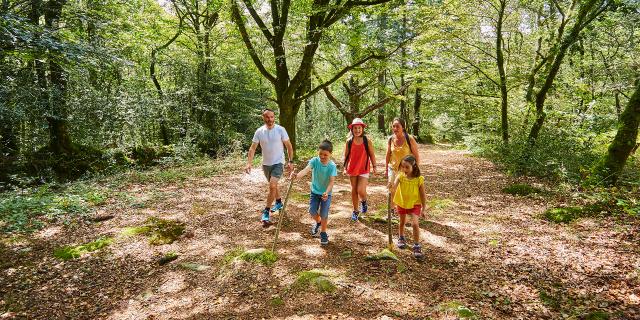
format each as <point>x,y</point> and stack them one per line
<point>356,122</point>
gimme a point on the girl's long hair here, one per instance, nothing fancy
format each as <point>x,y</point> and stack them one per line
<point>415,170</point>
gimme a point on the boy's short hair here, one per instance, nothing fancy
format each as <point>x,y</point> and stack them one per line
<point>326,145</point>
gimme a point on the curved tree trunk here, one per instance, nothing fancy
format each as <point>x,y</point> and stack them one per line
<point>609,169</point>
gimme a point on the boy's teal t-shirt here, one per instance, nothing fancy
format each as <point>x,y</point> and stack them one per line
<point>321,174</point>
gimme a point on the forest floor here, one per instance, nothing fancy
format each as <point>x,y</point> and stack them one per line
<point>488,255</point>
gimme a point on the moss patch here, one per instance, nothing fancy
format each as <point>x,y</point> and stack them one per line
<point>159,231</point>
<point>563,215</point>
<point>316,278</point>
<point>72,252</point>
<point>385,254</point>
<point>521,189</point>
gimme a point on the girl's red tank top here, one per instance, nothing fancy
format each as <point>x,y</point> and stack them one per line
<point>357,160</point>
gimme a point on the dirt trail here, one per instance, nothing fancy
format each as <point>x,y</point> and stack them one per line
<point>487,254</point>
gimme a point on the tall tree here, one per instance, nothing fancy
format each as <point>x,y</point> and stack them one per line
<point>608,170</point>
<point>579,18</point>
<point>291,85</point>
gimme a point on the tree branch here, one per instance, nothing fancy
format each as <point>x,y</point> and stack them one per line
<point>259,21</point>
<point>377,105</point>
<point>340,74</point>
<point>237,18</point>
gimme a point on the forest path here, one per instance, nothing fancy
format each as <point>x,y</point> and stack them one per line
<point>487,255</point>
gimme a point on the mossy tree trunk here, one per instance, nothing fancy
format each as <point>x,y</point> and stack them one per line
<point>608,170</point>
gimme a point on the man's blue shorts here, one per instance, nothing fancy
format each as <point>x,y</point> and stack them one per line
<point>315,203</point>
<point>274,171</point>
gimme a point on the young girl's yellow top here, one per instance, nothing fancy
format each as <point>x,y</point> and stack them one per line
<point>408,191</point>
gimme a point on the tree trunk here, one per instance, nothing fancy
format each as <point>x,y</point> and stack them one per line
<point>609,169</point>
<point>502,73</point>
<point>287,119</point>
<point>59,138</point>
<point>417,102</point>
<point>381,95</point>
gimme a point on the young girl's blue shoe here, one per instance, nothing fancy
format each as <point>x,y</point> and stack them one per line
<point>324,238</point>
<point>354,215</point>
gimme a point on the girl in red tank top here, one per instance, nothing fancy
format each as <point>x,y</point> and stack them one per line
<point>360,159</point>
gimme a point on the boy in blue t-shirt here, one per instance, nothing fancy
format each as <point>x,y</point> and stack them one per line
<point>323,173</point>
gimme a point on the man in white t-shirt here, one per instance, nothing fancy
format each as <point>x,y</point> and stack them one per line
<point>272,139</point>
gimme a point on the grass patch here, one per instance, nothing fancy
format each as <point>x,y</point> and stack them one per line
<point>380,216</point>
<point>563,215</point>
<point>521,189</point>
<point>318,279</point>
<point>300,196</point>
<point>73,252</point>
<point>549,300</point>
<point>276,301</point>
<point>458,309</point>
<point>437,205</point>
<point>261,256</point>
<point>597,315</point>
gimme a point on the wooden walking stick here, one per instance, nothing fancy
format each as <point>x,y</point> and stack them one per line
<point>282,215</point>
<point>389,219</point>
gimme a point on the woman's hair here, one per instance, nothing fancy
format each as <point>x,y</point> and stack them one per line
<point>415,170</point>
<point>403,123</point>
<point>326,145</point>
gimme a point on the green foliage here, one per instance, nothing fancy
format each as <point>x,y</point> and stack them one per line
<point>159,231</point>
<point>73,252</point>
<point>26,210</point>
<point>261,256</point>
<point>563,215</point>
<point>521,189</point>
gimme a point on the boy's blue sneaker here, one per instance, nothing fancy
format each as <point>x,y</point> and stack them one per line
<point>324,238</point>
<point>277,206</point>
<point>363,206</point>
<point>402,243</point>
<point>354,215</point>
<point>315,228</point>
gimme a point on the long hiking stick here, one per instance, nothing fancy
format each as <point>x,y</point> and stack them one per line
<point>282,215</point>
<point>389,218</point>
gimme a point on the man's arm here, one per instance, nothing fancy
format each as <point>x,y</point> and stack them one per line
<point>287,144</point>
<point>252,152</point>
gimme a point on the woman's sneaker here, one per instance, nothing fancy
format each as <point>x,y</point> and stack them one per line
<point>315,228</point>
<point>363,206</point>
<point>402,243</point>
<point>324,238</point>
<point>354,215</point>
<point>417,251</point>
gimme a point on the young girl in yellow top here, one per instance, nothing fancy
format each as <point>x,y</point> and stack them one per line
<point>410,199</point>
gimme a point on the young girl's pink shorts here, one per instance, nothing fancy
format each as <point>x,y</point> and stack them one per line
<point>415,210</point>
